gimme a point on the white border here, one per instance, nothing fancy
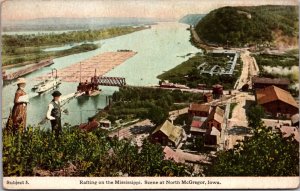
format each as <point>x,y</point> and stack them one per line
<point>157,182</point>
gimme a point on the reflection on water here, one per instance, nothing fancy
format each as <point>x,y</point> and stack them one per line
<point>157,50</point>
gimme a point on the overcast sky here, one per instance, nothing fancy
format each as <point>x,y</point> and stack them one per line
<point>174,9</point>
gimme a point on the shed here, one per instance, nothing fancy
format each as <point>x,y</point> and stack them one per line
<point>200,110</point>
<point>167,134</point>
<point>259,82</point>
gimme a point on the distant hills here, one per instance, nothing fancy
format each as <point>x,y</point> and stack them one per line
<point>242,25</point>
<point>191,19</point>
<point>61,23</point>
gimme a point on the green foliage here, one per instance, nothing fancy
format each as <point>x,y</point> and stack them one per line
<point>183,119</point>
<point>143,103</point>
<point>66,37</point>
<point>40,55</point>
<point>284,61</point>
<point>157,115</point>
<point>254,115</point>
<point>93,154</point>
<point>234,26</point>
<point>232,106</point>
<point>273,60</point>
<point>188,74</point>
<point>191,19</point>
<point>264,154</point>
<point>22,48</point>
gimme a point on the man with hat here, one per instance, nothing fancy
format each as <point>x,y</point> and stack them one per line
<point>54,113</point>
<point>17,119</point>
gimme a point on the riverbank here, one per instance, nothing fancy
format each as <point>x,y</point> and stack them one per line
<point>197,42</point>
<point>32,58</point>
<point>21,49</point>
<point>137,70</point>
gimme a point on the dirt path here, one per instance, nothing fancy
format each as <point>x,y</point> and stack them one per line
<point>239,117</point>
<point>249,70</point>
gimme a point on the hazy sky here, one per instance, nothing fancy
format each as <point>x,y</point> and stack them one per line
<point>30,9</point>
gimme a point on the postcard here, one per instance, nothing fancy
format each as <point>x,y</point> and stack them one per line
<point>140,94</point>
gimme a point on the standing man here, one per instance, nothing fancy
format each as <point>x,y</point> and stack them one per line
<point>54,113</point>
<point>17,120</point>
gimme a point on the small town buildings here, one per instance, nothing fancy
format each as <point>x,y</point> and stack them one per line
<point>260,83</point>
<point>208,126</point>
<point>167,134</point>
<point>216,118</point>
<point>208,97</point>
<point>198,126</point>
<point>212,137</point>
<point>214,127</point>
<point>295,120</point>
<point>217,90</point>
<point>199,110</point>
<point>276,102</point>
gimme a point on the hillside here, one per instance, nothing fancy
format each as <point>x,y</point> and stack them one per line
<point>238,26</point>
<point>191,19</point>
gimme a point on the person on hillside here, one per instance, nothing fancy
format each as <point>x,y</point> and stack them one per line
<point>17,118</point>
<point>54,113</point>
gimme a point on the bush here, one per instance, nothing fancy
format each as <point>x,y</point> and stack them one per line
<point>92,154</point>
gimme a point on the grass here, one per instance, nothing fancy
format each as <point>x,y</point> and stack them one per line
<point>285,60</point>
<point>232,106</point>
<point>188,74</point>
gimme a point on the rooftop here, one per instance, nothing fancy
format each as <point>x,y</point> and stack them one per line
<point>171,131</point>
<point>273,93</point>
<point>199,107</point>
<point>278,81</point>
<point>213,131</point>
<point>217,114</point>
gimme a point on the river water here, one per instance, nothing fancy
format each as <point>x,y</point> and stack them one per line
<point>158,49</point>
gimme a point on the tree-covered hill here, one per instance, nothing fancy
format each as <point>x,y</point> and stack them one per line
<point>238,26</point>
<point>191,19</point>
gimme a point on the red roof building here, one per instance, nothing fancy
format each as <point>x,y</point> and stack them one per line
<point>198,126</point>
<point>200,110</point>
<point>277,101</point>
